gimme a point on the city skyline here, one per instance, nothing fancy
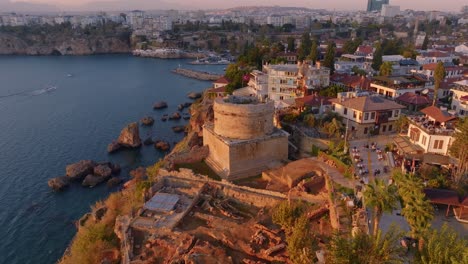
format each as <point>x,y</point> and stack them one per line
<point>96,5</point>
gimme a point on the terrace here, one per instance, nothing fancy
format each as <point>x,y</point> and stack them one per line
<point>399,82</point>
<point>432,127</point>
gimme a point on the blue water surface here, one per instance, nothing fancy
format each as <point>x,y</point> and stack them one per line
<point>58,110</point>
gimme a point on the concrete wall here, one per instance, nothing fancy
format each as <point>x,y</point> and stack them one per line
<point>243,121</point>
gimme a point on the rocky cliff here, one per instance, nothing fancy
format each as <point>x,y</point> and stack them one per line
<point>63,40</point>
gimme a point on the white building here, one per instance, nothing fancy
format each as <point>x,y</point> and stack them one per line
<point>463,49</point>
<point>395,86</point>
<point>290,81</point>
<point>390,11</point>
<point>434,57</point>
<point>275,20</point>
<point>450,71</point>
<point>366,115</point>
<point>432,132</point>
<point>460,98</point>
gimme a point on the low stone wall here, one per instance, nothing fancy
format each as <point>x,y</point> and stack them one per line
<point>304,142</point>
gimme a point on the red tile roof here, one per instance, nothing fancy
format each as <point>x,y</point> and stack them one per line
<point>439,196</point>
<point>313,100</point>
<point>414,99</point>
<point>436,54</point>
<point>222,80</point>
<point>432,67</point>
<point>221,89</point>
<point>368,103</point>
<point>364,49</point>
<point>437,114</point>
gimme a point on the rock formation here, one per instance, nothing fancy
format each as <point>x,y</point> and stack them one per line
<point>59,183</point>
<point>194,95</point>
<point>175,116</point>
<point>160,105</point>
<point>130,136</point>
<point>178,129</point>
<point>162,145</point>
<point>147,121</point>
<point>77,171</point>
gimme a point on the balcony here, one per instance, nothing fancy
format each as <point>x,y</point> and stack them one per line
<point>431,127</point>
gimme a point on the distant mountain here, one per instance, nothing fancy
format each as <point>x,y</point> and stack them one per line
<point>23,7</point>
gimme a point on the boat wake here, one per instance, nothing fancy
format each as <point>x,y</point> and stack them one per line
<point>36,92</point>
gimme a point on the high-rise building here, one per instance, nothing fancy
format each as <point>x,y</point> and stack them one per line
<point>376,5</point>
<point>390,10</point>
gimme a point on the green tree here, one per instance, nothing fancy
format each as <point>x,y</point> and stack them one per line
<point>402,123</point>
<point>443,246</point>
<point>386,69</point>
<point>235,73</point>
<point>304,49</point>
<point>377,58</point>
<point>314,52</point>
<point>459,150</point>
<point>416,209</point>
<point>291,42</point>
<point>381,198</point>
<point>439,75</point>
<point>301,245</point>
<point>333,128</point>
<point>285,214</point>
<point>351,46</point>
<point>310,120</point>
<point>425,43</point>
<point>366,249</point>
<point>329,60</point>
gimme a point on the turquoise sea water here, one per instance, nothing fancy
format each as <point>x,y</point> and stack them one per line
<point>48,120</point>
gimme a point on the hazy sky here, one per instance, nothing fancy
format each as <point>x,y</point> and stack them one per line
<point>445,5</point>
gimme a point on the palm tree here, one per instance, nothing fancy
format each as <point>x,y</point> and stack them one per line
<point>416,209</point>
<point>381,198</point>
<point>444,246</point>
<point>366,249</point>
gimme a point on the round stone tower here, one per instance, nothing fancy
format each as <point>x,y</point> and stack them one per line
<point>243,117</point>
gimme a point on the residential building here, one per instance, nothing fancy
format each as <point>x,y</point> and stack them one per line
<point>463,49</point>
<point>450,70</point>
<point>221,82</point>
<point>367,115</point>
<point>376,5</point>
<point>290,57</point>
<point>433,131</point>
<point>318,104</point>
<point>350,82</point>
<point>434,57</point>
<point>460,98</point>
<point>290,81</point>
<point>364,50</point>
<point>395,86</point>
<point>414,102</point>
<point>390,10</point>
<point>259,82</point>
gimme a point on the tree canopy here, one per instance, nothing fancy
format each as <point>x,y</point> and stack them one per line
<point>459,150</point>
<point>386,69</point>
<point>439,75</point>
<point>329,60</point>
<point>377,58</point>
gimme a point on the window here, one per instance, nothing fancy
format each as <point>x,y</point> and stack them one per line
<point>281,98</point>
<point>462,112</point>
<point>365,130</point>
<point>438,144</point>
<point>354,114</point>
<point>384,128</point>
<point>397,112</point>
<point>366,116</point>
<point>372,116</point>
<point>345,111</point>
<point>424,139</point>
<point>390,128</point>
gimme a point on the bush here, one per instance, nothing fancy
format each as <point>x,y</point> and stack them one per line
<point>285,213</point>
<point>301,246</point>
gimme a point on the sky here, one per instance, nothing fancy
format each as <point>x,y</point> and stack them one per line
<point>442,5</point>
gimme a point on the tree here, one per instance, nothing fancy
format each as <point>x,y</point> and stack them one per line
<point>329,60</point>
<point>381,198</point>
<point>362,248</point>
<point>301,246</point>
<point>459,150</point>
<point>304,49</point>
<point>402,123</point>
<point>425,43</point>
<point>439,75</point>
<point>416,209</point>
<point>291,42</point>
<point>386,69</point>
<point>443,246</point>
<point>377,58</point>
<point>235,73</point>
<point>351,46</point>
<point>310,120</point>
<point>314,52</point>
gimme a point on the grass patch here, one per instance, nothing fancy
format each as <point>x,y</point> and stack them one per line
<point>200,168</point>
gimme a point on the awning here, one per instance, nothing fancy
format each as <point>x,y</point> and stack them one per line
<point>406,147</point>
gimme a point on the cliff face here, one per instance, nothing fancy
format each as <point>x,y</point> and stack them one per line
<point>63,45</point>
<point>64,40</point>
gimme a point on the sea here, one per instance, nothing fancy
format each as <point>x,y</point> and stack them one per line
<point>58,110</point>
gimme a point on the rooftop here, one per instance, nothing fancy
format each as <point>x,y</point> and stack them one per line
<point>162,202</point>
<point>399,82</point>
<point>368,103</point>
<point>414,99</point>
<point>437,114</point>
<point>222,80</point>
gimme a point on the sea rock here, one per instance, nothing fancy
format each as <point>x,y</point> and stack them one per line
<point>175,116</point>
<point>187,104</point>
<point>130,136</point>
<point>164,118</point>
<point>162,145</point>
<point>80,169</point>
<point>148,141</point>
<point>115,168</point>
<point>147,121</point>
<point>114,181</point>
<point>160,105</point>
<point>178,129</point>
<point>92,180</point>
<point>186,117</point>
<point>58,183</point>
<point>113,147</point>
<point>194,95</point>
<point>102,170</point>
<point>180,107</point>
<point>83,220</point>
<point>99,213</point>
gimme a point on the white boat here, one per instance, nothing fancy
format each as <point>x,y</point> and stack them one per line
<point>69,75</point>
